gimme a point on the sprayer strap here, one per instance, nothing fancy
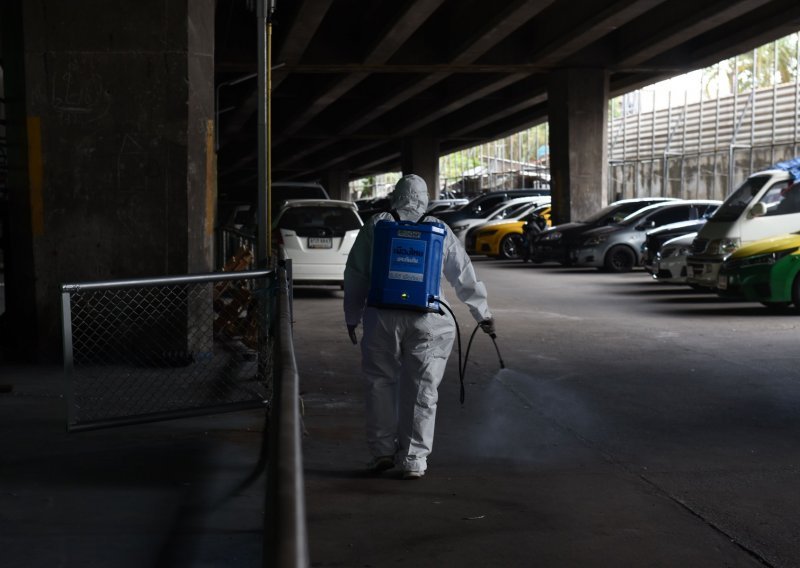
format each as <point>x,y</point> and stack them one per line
<point>396,216</point>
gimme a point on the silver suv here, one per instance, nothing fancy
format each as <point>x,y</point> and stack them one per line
<point>618,248</point>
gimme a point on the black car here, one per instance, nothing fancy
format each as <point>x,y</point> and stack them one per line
<point>482,205</point>
<point>554,243</point>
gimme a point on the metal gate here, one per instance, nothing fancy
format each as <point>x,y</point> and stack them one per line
<point>151,349</point>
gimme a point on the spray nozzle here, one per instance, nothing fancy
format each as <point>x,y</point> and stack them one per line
<point>462,367</point>
<point>496,348</point>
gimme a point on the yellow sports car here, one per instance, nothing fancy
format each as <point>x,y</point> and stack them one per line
<point>503,239</point>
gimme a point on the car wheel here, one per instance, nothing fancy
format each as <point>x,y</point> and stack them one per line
<point>509,247</point>
<point>796,293</point>
<point>619,259</point>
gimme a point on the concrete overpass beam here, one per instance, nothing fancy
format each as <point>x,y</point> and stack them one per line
<point>578,112</point>
<point>421,157</point>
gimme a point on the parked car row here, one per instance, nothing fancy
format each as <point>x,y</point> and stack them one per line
<point>505,238</point>
<point>614,239</point>
<point>317,234</point>
<point>503,210</point>
<point>618,247</point>
<point>555,244</point>
<point>747,246</point>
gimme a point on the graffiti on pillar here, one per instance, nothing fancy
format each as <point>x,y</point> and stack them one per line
<point>78,97</point>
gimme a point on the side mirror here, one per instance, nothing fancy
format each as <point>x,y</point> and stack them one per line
<point>758,210</point>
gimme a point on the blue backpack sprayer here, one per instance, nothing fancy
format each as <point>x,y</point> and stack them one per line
<point>407,270</point>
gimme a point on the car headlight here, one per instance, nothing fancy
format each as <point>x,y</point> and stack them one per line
<point>666,252</point>
<point>760,259</point>
<point>674,251</point>
<point>596,240</point>
<point>551,236</point>
<point>723,246</point>
<point>460,228</point>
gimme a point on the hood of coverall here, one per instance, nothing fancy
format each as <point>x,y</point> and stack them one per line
<point>410,197</point>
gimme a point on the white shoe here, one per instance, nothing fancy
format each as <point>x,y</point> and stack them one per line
<point>413,474</point>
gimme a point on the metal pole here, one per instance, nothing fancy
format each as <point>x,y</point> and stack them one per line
<point>69,363</point>
<point>753,101</point>
<point>263,244</point>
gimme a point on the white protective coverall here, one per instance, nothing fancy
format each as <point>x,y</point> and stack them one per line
<point>404,352</point>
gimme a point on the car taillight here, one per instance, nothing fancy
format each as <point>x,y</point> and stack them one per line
<point>277,238</point>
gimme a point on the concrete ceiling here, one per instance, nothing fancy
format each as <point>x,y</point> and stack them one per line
<point>353,78</point>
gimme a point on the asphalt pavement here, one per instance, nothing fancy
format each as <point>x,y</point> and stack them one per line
<point>635,424</point>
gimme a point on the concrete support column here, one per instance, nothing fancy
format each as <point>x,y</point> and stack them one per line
<point>337,183</point>
<point>421,157</point>
<point>115,177</point>
<point>578,112</point>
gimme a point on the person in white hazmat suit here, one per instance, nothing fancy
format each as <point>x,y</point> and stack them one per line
<point>404,352</point>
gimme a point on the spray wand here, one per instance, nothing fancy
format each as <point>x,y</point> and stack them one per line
<point>462,369</point>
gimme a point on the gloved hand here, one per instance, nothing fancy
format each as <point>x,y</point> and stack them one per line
<point>351,331</point>
<point>487,326</point>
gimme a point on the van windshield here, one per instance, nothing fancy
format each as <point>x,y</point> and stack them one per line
<point>737,201</point>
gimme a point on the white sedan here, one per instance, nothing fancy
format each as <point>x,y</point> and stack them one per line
<point>669,265</point>
<point>504,210</point>
<point>316,235</point>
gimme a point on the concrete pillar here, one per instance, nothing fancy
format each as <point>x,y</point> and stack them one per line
<point>116,168</point>
<point>337,183</point>
<point>577,112</point>
<point>421,156</point>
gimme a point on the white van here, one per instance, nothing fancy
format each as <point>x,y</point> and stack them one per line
<point>765,205</point>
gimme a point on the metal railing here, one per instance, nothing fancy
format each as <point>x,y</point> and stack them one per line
<point>285,534</point>
<point>151,349</point>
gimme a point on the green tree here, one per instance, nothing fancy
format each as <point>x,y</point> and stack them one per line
<point>771,64</point>
<point>367,187</point>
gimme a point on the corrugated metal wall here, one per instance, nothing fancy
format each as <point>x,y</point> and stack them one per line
<point>702,149</point>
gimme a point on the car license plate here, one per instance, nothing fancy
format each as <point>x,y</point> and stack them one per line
<point>722,282</point>
<point>319,242</point>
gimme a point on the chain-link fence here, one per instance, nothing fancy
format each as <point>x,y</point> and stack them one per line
<point>150,349</point>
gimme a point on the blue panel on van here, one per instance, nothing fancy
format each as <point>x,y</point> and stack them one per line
<point>792,166</point>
